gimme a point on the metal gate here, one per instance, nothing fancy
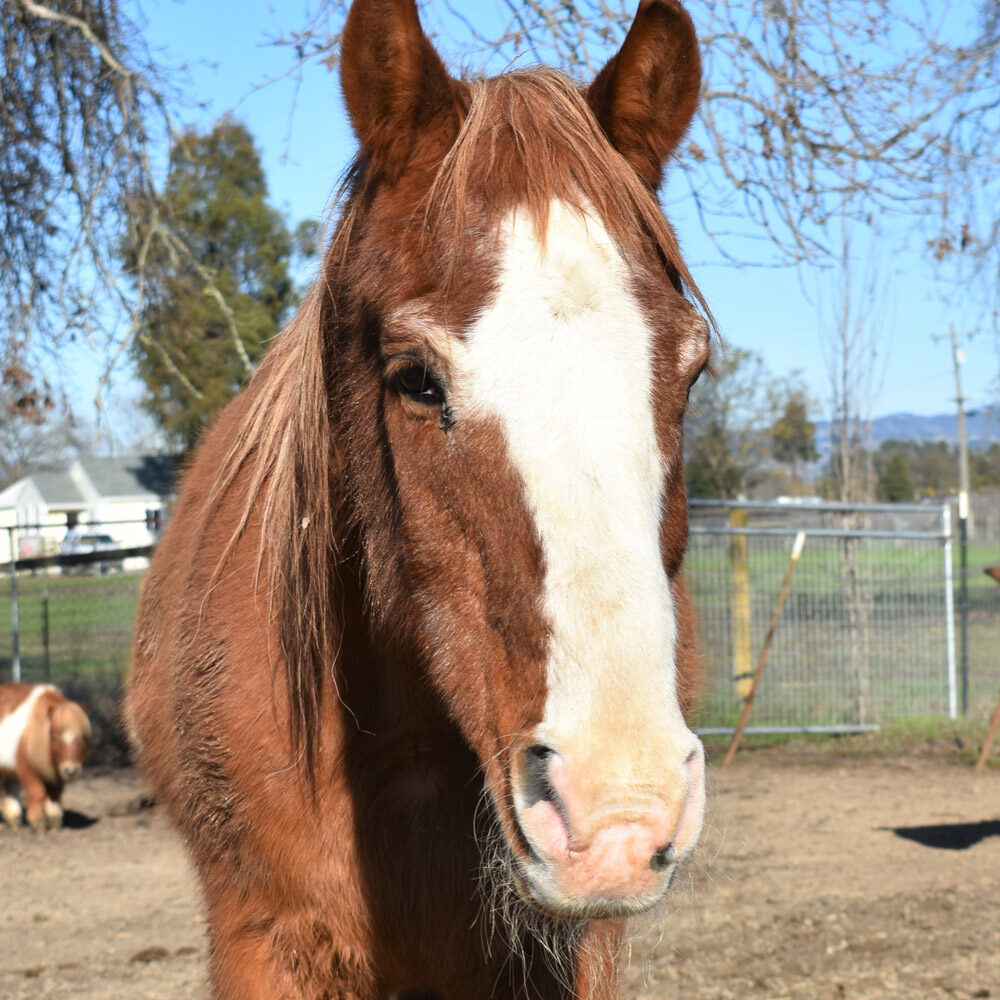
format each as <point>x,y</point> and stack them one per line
<point>867,629</point>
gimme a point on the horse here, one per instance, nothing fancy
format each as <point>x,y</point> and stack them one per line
<point>43,743</point>
<point>414,653</point>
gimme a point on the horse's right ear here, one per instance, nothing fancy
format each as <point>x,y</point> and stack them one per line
<point>645,97</point>
<point>397,91</point>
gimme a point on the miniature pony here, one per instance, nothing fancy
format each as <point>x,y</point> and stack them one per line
<point>43,743</point>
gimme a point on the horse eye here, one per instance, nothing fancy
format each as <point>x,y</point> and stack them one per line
<point>418,384</point>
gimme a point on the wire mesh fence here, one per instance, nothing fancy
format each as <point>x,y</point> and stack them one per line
<point>71,628</point>
<point>867,632</point>
<point>71,605</point>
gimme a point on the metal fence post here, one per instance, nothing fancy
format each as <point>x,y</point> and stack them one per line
<point>949,611</point>
<point>963,593</point>
<point>15,616</point>
<point>46,648</point>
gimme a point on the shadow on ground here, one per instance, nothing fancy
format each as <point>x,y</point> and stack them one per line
<point>73,820</point>
<point>949,836</point>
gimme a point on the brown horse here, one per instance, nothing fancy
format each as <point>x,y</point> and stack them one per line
<point>413,655</point>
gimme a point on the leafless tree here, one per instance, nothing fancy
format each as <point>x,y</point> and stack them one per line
<point>807,104</point>
<point>886,106</point>
<point>855,353</point>
<point>76,99</point>
<point>83,112</point>
<point>42,437</point>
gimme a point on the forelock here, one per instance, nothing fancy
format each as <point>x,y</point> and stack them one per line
<point>71,719</point>
<point>530,139</point>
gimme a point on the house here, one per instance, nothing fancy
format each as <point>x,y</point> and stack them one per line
<point>125,497</point>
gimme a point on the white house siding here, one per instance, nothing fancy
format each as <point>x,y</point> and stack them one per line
<point>44,505</point>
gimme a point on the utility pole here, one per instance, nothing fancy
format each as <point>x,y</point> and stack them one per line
<point>958,359</point>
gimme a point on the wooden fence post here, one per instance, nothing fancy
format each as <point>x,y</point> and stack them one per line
<point>739,576</point>
<point>800,540</point>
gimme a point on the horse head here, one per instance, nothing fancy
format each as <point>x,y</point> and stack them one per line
<point>510,346</point>
<point>69,734</point>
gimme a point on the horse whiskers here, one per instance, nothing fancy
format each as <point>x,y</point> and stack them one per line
<point>516,929</point>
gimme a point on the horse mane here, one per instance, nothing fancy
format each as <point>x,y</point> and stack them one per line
<point>528,137</point>
<point>282,453</point>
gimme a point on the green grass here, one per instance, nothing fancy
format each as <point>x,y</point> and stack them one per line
<point>90,621</point>
<point>892,636</point>
<point>807,678</point>
<point>908,738</point>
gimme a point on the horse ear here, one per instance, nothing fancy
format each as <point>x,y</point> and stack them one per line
<point>395,86</point>
<point>645,96</point>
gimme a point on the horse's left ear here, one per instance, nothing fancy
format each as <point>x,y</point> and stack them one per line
<point>645,97</point>
<point>398,93</point>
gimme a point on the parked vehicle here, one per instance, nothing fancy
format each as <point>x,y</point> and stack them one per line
<point>78,542</point>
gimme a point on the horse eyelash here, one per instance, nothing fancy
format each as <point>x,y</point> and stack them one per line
<point>447,419</point>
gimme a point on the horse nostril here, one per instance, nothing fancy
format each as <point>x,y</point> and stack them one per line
<point>535,783</point>
<point>663,858</point>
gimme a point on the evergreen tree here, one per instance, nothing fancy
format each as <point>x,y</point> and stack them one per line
<point>793,434</point>
<point>895,485</point>
<point>216,284</point>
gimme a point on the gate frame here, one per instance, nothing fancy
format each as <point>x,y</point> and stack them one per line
<point>942,536</point>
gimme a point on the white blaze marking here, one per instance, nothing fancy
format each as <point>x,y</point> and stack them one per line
<point>12,727</point>
<point>563,358</point>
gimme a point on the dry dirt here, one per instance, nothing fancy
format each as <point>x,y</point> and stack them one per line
<point>820,877</point>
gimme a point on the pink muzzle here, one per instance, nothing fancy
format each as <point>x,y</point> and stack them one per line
<point>613,856</point>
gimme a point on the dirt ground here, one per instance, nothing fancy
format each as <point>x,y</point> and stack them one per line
<point>820,877</point>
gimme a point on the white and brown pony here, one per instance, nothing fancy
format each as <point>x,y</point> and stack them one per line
<point>43,742</point>
<point>413,657</point>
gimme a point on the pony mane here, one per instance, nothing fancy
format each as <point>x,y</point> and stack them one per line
<point>529,137</point>
<point>70,718</point>
<point>52,711</point>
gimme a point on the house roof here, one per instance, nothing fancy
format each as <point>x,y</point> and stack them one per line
<point>130,475</point>
<point>90,478</point>
<point>23,491</point>
<point>58,489</point>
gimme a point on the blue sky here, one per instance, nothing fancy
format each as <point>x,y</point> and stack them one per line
<point>777,312</point>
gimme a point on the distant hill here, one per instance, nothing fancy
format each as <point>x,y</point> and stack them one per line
<point>982,427</point>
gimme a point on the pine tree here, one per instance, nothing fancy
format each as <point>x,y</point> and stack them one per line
<point>895,485</point>
<point>213,298</point>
